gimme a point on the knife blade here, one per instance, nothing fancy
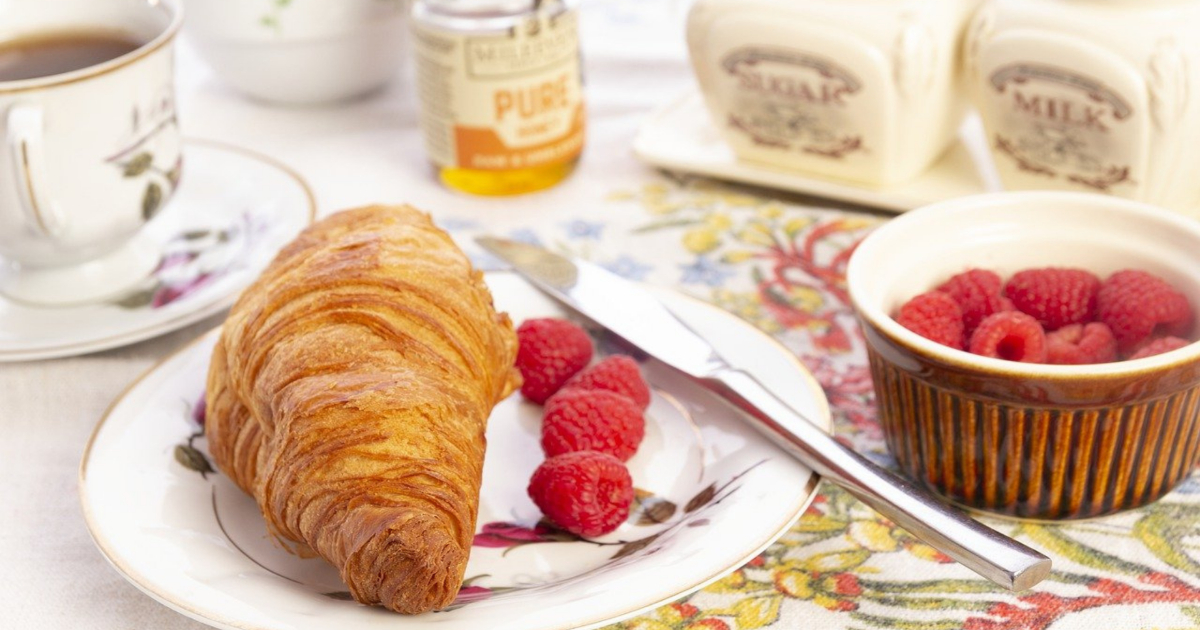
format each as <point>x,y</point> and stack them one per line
<point>636,315</point>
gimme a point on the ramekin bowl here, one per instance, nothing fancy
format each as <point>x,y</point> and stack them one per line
<point>1024,440</point>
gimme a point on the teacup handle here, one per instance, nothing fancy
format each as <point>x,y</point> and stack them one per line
<point>25,133</point>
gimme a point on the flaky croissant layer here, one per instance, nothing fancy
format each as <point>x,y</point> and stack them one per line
<point>349,394</point>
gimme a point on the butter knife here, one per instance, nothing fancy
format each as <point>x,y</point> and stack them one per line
<point>633,313</point>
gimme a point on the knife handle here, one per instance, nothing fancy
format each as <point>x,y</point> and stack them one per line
<point>981,549</point>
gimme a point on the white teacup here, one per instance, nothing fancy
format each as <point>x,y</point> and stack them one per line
<point>89,156</point>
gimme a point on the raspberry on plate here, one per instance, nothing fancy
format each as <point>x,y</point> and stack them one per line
<point>934,316</point>
<point>549,353</point>
<point>1080,344</point>
<point>592,420</point>
<point>977,292</point>
<point>1010,335</point>
<point>585,493</point>
<point>618,374</point>
<point>1161,345</point>
<point>1055,296</point>
<point>1138,305</point>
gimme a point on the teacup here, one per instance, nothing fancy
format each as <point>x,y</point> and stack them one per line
<point>90,155</point>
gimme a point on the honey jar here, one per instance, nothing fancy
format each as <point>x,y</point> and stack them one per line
<point>501,92</point>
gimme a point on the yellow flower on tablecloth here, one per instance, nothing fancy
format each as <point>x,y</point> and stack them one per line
<point>718,221</point>
<point>733,583</point>
<point>737,256</point>
<point>770,211</point>
<point>806,299</point>
<point>701,240</point>
<point>795,226</point>
<point>756,234</point>
<point>883,536</point>
<point>873,535</point>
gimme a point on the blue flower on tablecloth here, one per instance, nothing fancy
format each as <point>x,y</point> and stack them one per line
<point>527,236</point>
<point>584,229</point>
<point>457,224</point>
<point>706,271</point>
<point>628,268</point>
<point>1191,485</point>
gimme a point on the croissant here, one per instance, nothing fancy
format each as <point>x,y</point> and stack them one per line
<point>349,393</point>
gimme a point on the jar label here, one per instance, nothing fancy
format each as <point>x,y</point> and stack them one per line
<point>790,99</point>
<point>502,102</point>
<point>1062,127</point>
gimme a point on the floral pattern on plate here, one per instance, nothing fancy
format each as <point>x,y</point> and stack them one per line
<point>713,494</point>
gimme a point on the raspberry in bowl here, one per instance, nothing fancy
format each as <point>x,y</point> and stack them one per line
<point>1001,429</point>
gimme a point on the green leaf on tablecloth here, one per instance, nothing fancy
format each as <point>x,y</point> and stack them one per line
<point>662,225</point>
<point>1162,528</point>
<point>1193,613</point>
<point>837,561</point>
<point>907,624</point>
<point>753,612</point>
<point>191,458</point>
<point>1051,538</point>
<point>820,525</point>
<point>948,587</point>
<point>933,603</point>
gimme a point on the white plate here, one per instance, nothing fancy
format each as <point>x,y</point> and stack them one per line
<point>681,137</point>
<point>233,210</point>
<point>199,545</point>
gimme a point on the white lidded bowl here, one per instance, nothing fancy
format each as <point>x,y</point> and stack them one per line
<point>301,52</point>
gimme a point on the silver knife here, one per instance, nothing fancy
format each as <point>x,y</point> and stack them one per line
<point>633,313</point>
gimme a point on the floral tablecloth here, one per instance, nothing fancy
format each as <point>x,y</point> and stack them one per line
<point>779,265</point>
<point>782,267</point>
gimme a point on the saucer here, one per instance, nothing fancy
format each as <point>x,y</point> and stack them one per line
<point>711,495</point>
<point>681,137</point>
<point>233,210</point>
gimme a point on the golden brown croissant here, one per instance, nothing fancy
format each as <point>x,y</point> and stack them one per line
<point>349,393</point>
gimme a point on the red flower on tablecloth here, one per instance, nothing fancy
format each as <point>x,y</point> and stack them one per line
<point>1038,611</point>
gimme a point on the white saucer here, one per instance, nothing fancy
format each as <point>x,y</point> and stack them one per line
<point>716,493</point>
<point>681,137</point>
<point>233,210</point>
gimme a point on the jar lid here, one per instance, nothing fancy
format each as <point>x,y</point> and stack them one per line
<point>489,8</point>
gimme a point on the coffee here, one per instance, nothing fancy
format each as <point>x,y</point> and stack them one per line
<point>50,53</point>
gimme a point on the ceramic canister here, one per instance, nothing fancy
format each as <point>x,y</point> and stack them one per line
<point>1091,95</point>
<point>861,90</point>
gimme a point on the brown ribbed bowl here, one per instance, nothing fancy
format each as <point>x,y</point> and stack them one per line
<point>1033,441</point>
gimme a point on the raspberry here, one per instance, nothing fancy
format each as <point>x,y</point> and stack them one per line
<point>1010,335</point>
<point>1080,344</point>
<point>618,374</point>
<point>585,493</point>
<point>977,292</point>
<point>934,316</point>
<point>549,353</point>
<point>1055,296</point>
<point>1138,306</point>
<point>592,420</point>
<point>1159,346</point>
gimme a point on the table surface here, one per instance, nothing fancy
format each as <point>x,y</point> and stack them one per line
<point>776,263</point>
